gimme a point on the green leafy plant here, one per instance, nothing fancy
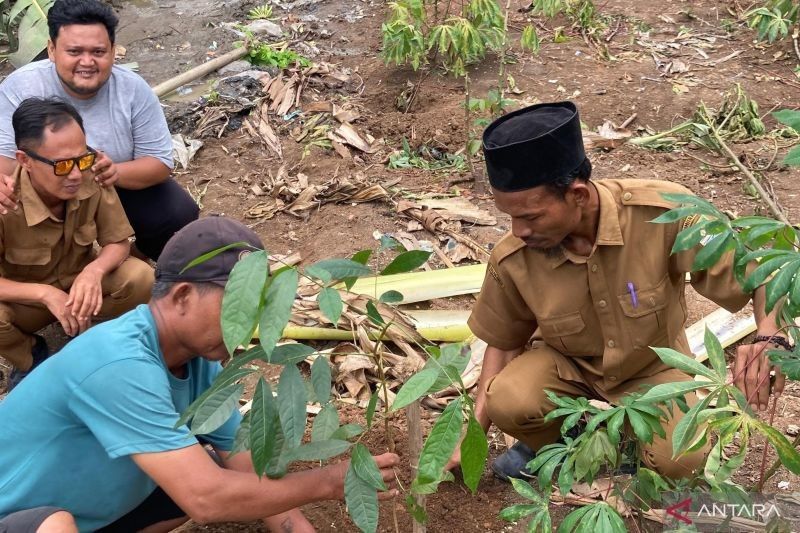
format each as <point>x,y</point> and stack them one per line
<point>266,55</point>
<point>426,158</point>
<point>773,19</point>
<point>273,429</point>
<point>28,18</point>
<point>594,439</point>
<point>791,119</point>
<point>530,40</point>
<point>263,12</point>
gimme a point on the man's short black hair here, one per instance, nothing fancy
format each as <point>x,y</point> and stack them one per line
<point>161,288</point>
<point>34,115</point>
<point>68,12</point>
<point>560,186</point>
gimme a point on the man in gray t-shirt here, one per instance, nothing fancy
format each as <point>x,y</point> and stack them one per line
<point>122,117</point>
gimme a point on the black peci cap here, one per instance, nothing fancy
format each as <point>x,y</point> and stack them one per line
<point>533,146</point>
<point>199,238</point>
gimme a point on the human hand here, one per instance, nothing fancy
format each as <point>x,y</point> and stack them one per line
<point>455,459</point>
<point>105,171</point>
<point>86,296</point>
<point>386,463</point>
<point>56,302</point>
<point>8,200</point>
<point>751,374</point>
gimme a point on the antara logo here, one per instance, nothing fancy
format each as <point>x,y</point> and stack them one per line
<point>681,510</point>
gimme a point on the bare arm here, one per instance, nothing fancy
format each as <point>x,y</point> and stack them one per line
<point>8,200</point>
<point>86,293</point>
<point>141,173</point>
<point>290,521</point>
<point>208,493</point>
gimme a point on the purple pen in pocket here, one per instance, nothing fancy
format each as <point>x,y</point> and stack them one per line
<point>632,291</point>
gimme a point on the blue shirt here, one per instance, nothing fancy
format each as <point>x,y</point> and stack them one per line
<point>68,430</point>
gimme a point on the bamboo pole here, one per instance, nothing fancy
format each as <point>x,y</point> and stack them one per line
<point>414,450</point>
<point>199,71</point>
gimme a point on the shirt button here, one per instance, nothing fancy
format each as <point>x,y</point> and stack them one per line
<point>602,303</point>
<point>594,268</point>
<point>611,344</point>
<point>627,196</point>
<point>612,378</point>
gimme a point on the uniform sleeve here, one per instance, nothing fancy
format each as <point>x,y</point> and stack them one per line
<point>128,407</point>
<point>717,283</point>
<point>223,437</point>
<point>112,223</point>
<point>151,135</point>
<point>501,317</point>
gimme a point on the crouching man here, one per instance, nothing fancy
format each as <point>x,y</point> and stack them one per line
<point>49,269</point>
<point>93,431</point>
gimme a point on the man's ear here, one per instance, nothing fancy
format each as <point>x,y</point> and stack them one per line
<point>580,192</point>
<point>51,50</point>
<point>181,296</point>
<point>23,160</point>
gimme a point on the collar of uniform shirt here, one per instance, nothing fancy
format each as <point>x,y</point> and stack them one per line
<point>609,232</point>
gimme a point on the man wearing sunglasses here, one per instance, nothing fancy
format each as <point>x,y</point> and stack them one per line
<point>48,267</point>
<point>124,120</point>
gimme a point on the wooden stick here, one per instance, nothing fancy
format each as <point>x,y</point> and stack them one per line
<point>414,450</point>
<point>199,71</point>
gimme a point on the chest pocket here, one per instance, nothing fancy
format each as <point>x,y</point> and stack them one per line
<point>646,322</point>
<point>27,264</point>
<point>86,235</point>
<point>567,333</point>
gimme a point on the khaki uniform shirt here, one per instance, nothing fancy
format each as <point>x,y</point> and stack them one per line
<point>37,247</point>
<point>582,306</point>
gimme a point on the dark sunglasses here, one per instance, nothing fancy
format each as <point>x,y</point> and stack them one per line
<point>62,167</point>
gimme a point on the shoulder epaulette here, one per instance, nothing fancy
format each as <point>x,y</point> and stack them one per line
<point>648,192</point>
<point>506,247</point>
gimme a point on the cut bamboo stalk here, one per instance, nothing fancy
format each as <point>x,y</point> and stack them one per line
<point>424,286</point>
<point>727,326</point>
<point>414,450</point>
<point>199,71</point>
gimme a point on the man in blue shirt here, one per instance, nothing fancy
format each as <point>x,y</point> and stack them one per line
<point>92,430</point>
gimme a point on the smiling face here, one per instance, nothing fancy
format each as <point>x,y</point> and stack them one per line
<point>540,217</point>
<point>83,55</point>
<point>68,141</point>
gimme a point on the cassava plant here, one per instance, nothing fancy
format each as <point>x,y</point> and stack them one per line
<point>773,19</point>
<point>274,428</point>
<point>765,253</point>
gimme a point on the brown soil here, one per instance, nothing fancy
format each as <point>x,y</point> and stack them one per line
<point>167,37</point>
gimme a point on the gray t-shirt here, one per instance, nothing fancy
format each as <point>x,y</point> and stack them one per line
<point>124,119</point>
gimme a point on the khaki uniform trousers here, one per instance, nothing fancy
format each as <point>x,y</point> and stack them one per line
<point>123,289</point>
<point>517,404</point>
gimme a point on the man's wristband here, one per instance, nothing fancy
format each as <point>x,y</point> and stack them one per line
<point>778,340</point>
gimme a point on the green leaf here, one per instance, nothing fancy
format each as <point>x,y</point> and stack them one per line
<point>779,286</point>
<point>366,468</point>
<point>373,402</point>
<point>242,299</point>
<point>347,431</point>
<point>343,268</point>
<point>319,450</point>
<point>474,451</point>
<point>571,520</point>
<point>264,428</point>
<point>686,428</point>
<point>451,362</point>
<point>319,273</point>
<point>391,297</point>
<point>525,490</point>
<point>241,441</point>
<point>291,401</point>
<point>289,354</point>
<point>277,308</point>
<point>790,117</point>
<point>640,428</point>
<point>361,500</point>
<point>690,237</point>
<point>711,253</point>
<point>715,354</point>
<point>614,427</point>
<point>415,387</point>
<point>515,513</point>
<point>441,442</point>
<point>321,379</point>
<point>325,423</point>
<point>793,157</point>
<point>330,303</point>
<point>224,379</point>
<point>687,364</point>
<point>406,262</point>
<point>217,409</point>
<point>789,456</point>
<point>374,315</point>
<point>213,253</point>
<point>765,270</point>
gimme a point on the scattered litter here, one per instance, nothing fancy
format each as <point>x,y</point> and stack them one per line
<point>783,485</point>
<point>262,28</point>
<point>792,430</point>
<point>184,150</point>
